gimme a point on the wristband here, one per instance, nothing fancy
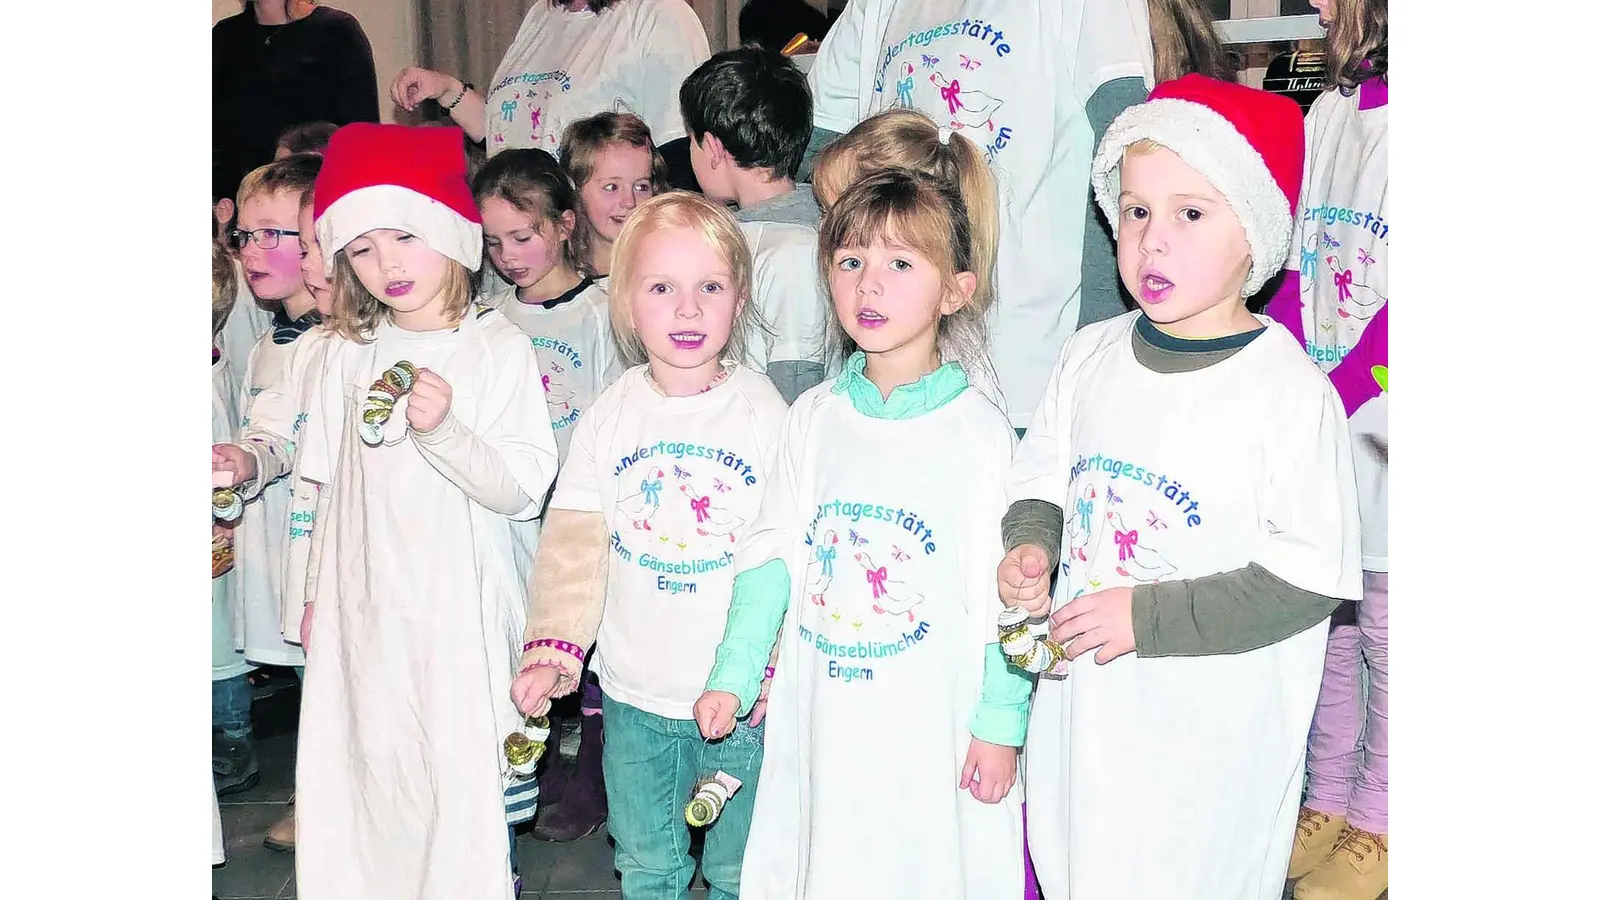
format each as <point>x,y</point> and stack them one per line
<point>556,644</point>
<point>465,86</point>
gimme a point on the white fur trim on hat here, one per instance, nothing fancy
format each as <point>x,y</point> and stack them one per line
<point>1213,147</point>
<point>402,209</point>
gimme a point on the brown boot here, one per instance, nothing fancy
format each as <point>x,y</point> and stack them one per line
<point>1358,869</point>
<point>281,835</point>
<point>1314,840</point>
<point>582,809</point>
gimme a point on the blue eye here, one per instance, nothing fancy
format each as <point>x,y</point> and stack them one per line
<point>849,264</point>
<point>712,287</point>
<point>901,265</point>
<point>658,287</point>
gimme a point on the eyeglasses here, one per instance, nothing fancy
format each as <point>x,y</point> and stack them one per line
<point>265,238</point>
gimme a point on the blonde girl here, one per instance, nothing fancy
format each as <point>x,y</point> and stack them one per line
<point>613,161</point>
<point>422,541</point>
<point>664,475</point>
<point>906,139</point>
<point>894,720</point>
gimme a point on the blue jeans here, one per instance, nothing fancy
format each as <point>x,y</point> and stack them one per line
<point>230,707</point>
<point>651,764</point>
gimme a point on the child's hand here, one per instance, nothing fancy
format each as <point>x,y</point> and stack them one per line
<point>429,403</point>
<point>990,771</point>
<point>714,713</point>
<point>230,463</point>
<point>1102,619</point>
<point>305,626</point>
<point>532,689</point>
<point>1024,578</point>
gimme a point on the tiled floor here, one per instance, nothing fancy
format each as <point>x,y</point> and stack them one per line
<point>576,871</point>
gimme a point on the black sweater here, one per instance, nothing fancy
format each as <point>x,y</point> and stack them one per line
<point>266,78</point>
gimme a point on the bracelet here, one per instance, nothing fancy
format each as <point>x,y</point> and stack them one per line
<point>459,97</point>
<point>554,643</point>
<point>1027,645</point>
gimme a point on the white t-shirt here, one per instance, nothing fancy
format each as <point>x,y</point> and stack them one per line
<point>892,559</point>
<point>577,356</point>
<point>565,65</point>
<point>787,287</point>
<point>678,479</point>
<point>1166,477</point>
<point>1013,77</point>
<point>1344,275</point>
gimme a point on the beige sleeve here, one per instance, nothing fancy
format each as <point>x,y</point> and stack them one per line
<point>568,591</point>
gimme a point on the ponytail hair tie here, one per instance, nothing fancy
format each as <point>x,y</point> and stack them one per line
<point>944,135</point>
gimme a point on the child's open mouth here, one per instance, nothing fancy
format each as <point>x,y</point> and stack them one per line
<point>870,318</point>
<point>1153,288</point>
<point>687,340</point>
<point>398,288</point>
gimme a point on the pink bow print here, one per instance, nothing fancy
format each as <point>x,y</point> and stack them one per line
<point>876,577</point>
<point>700,507</point>
<point>546,380</point>
<point>1342,280</point>
<point>951,94</point>
<point>1126,541</point>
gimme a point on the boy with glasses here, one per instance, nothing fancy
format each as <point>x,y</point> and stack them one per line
<point>267,243</point>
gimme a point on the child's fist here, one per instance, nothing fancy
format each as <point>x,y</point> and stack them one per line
<point>231,466</point>
<point>429,403</point>
<point>1024,577</point>
<point>532,689</point>
<point>990,771</point>
<point>714,713</point>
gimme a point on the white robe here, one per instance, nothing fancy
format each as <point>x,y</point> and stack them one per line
<point>891,558</point>
<point>419,592</point>
<point>262,537</point>
<point>1152,779</point>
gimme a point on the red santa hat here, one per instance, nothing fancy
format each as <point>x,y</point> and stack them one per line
<point>393,176</point>
<point>1248,143</point>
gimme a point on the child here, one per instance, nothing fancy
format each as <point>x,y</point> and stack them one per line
<point>223,418</point>
<point>907,139</point>
<point>269,247</point>
<point>529,210</point>
<point>665,471</point>
<point>267,450</point>
<point>1211,534</point>
<point>1336,304</point>
<point>234,766</point>
<point>879,570</point>
<point>748,114</point>
<point>423,539</point>
<point>614,163</point>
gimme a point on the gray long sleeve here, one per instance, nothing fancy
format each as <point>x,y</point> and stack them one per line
<point>1229,612</point>
<point>1033,522</point>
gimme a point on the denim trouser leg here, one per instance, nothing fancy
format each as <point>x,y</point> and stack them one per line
<point>650,764</point>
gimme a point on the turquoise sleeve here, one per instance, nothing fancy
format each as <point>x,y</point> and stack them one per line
<point>1002,714</point>
<point>760,600</point>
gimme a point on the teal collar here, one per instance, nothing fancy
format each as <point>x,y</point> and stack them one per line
<point>907,401</point>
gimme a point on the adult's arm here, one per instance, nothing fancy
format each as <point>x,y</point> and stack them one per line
<point>1101,291</point>
<point>355,87</point>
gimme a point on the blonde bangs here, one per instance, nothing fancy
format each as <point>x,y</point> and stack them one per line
<point>712,224</point>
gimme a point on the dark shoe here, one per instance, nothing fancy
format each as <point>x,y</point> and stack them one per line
<point>234,767</point>
<point>582,809</point>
